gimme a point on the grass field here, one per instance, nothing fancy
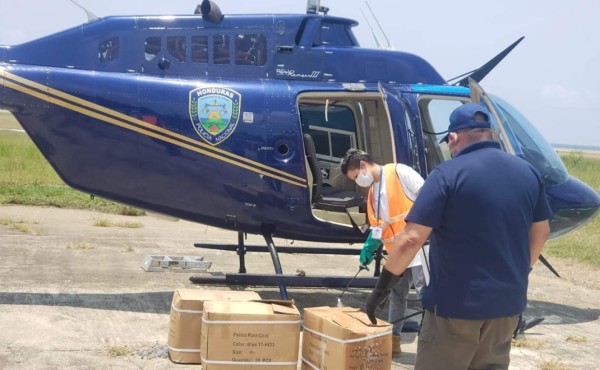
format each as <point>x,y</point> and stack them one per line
<point>27,178</point>
<point>584,243</point>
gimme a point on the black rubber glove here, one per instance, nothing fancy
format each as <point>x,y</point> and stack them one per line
<point>382,289</point>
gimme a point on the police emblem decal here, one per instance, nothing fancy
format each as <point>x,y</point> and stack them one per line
<point>215,112</point>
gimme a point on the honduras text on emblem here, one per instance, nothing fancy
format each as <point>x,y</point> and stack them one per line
<point>214,112</point>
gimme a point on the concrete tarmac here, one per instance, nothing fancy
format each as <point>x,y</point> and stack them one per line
<point>74,296</point>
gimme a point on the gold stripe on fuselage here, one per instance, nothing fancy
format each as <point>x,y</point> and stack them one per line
<point>148,129</point>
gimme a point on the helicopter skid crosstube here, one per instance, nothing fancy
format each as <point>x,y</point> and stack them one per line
<point>286,249</point>
<point>278,279</point>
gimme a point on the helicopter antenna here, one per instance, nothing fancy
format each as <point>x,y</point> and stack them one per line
<point>389,44</point>
<point>91,16</point>
<point>372,31</point>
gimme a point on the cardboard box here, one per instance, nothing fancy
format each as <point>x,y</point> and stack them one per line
<point>342,338</point>
<point>250,335</point>
<point>186,320</point>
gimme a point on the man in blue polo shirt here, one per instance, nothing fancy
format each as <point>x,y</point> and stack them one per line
<point>487,213</point>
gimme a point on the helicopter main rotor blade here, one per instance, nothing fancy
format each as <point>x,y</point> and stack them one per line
<point>483,71</point>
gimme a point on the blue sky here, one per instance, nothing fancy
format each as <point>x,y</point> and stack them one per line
<point>552,76</point>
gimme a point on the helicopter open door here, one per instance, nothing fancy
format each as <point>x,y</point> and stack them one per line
<point>334,122</point>
<point>506,136</point>
<point>329,129</point>
<point>404,147</point>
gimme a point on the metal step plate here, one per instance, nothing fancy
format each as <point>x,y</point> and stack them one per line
<point>154,263</point>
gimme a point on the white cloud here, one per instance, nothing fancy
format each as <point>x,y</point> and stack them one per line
<point>559,93</point>
<point>556,93</point>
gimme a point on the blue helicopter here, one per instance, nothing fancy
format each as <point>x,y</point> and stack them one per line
<point>240,121</point>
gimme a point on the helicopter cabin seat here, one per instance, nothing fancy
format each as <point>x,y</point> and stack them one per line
<point>328,198</point>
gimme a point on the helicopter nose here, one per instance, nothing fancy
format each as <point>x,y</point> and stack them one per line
<point>574,203</point>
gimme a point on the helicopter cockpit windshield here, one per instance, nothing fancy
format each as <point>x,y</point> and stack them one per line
<point>536,150</point>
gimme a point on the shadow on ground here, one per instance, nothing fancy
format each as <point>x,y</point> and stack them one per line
<point>150,302</point>
<point>160,302</point>
<point>561,314</point>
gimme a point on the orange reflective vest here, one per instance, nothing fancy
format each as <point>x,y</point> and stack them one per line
<point>398,206</point>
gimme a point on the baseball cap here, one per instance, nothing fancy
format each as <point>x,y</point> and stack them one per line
<point>463,118</point>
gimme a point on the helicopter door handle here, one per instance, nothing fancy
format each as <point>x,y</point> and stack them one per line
<point>164,63</point>
<point>285,49</point>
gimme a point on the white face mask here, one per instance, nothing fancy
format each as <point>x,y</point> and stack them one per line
<point>365,180</point>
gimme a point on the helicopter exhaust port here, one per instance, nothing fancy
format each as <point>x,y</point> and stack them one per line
<point>210,11</point>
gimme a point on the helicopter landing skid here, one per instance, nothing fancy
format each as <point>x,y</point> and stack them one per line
<point>279,279</point>
<point>288,280</point>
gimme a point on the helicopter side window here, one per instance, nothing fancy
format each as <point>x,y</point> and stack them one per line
<point>108,50</point>
<point>334,34</point>
<point>152,47</point>
<point>536,149</point>
<point>340,143</point>
<point>250,50</point>
<point>412,127</point>
<point>176,47</point>
<point>321,140</point>
<point>435,114</point>
<point>200,49</point>
<point>221,49</point>
<point>333,135</point>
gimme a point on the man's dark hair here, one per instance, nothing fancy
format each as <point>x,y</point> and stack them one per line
<point>351,160</point>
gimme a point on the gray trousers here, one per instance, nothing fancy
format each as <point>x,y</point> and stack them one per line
<point>456,344</point>
<point>399,294</point>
